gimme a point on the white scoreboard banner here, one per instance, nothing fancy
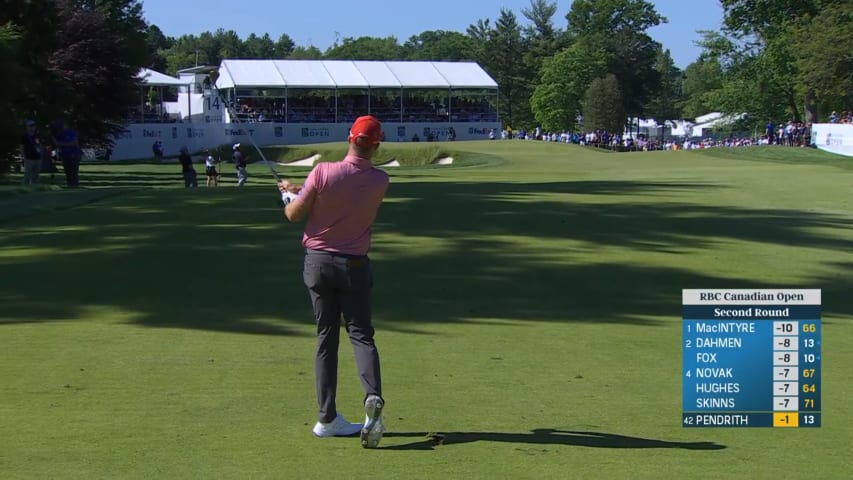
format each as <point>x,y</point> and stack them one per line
<point>834,137</point>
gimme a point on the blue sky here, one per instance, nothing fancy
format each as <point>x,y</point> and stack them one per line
<point>318,23</point>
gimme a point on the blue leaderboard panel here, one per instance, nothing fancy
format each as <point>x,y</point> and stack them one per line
<point>751,358</point>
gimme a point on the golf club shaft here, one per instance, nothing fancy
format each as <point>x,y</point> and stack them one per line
<point>235,118</point>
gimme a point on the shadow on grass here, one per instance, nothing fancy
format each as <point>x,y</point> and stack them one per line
<point>224,259</point>
<point>542,436</point>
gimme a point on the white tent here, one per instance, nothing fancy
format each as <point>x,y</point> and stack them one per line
<point>156,79</point>
<point>352,74</point>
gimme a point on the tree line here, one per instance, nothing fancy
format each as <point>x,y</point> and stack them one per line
<point>594,68</point>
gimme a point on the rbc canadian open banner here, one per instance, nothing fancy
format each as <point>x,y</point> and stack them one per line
<point>834,137</point>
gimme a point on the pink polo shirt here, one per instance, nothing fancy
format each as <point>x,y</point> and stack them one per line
<point>347,197</point>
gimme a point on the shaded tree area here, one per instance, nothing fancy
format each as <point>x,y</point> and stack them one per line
<point>72,59</point>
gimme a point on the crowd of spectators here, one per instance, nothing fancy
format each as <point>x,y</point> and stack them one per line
<point>790,134</point>
<point>843,117</point>
<point>795,136</point>
<point>346,108</point>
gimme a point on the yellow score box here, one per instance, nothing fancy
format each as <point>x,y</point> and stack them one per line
<point>789,420</point>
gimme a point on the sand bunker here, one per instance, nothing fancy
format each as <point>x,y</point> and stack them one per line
<point>305,162</point>
<point>392,163</point>
<point>443,161</point>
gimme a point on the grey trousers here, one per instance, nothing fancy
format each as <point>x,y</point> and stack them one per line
<point>242,176</point>
<point>340,286</point>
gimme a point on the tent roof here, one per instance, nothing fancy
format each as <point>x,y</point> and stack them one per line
<point>351,74</point>
<point>157,79</point>
<point>377,74</point>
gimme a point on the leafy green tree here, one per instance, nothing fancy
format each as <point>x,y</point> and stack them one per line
<point>307,53</point>
<point>750,83</point>
<point>81,62</point>
<point>480,34</point>
<point>665,98</point>
<point>10,70</point>
<point>782,37</point>
<point>284,46</point>
<point>543,38</point>
<point>506,46</point>
<point>618,29</point>
<point>439,45</point>
<point>366,48</point>
<point>185,53</point>
<point>821,46</point>
<point>701,77</point>
<point>603,105</point>
<point>259,47</point>
<point>158,44</point>
<point>94,80</point>
<point>557,99</point>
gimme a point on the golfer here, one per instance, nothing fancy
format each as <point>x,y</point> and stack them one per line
<point>210,170</point>
<point>340,201</point>
<point>240,160</point>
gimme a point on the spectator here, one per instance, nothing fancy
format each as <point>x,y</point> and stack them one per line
<point>70,153</point>
<point>157,150</point>
<point>190,177</point>
<point>31,154</point>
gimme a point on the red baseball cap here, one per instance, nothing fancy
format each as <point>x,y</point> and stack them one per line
<point>367,128</point>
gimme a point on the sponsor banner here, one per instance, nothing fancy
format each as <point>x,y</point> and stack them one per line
<point>139,141</point>
<point>834,137</point>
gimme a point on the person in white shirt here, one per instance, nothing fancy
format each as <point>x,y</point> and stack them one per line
<point>210,170</point>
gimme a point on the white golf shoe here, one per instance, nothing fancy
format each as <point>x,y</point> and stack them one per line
<point>339,427</point>
<point>374,427</point>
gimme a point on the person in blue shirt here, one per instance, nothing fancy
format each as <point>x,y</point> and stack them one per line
<point>69,152</point>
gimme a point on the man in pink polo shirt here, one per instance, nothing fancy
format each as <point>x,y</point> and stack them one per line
<point>340,201</point>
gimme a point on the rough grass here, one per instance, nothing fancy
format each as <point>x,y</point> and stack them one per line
<point>777,154</point>
<point>528,319</point>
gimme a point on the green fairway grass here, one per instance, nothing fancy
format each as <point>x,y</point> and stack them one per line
<point>527,307</point>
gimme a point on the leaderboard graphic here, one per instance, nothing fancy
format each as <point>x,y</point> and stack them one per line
<point>751,358</point>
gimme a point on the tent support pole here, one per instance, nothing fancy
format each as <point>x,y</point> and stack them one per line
<point>449,103</point>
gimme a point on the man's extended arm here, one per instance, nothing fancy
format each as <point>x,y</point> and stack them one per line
<point>299,207</point>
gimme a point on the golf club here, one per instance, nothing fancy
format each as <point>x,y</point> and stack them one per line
<point>286,197</point>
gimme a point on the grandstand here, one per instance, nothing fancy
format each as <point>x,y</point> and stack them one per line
<point>337,91</point>
<point>288,102</point>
